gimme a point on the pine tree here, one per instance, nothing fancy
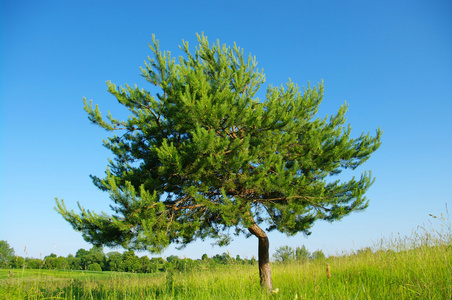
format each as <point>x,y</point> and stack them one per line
<point>205,155</point>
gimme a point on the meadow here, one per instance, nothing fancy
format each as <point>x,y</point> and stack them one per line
<point>414,267</point>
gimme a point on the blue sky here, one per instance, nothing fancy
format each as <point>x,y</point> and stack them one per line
<point>390,60</point>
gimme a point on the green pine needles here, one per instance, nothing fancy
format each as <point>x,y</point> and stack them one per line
<point>205,156</point>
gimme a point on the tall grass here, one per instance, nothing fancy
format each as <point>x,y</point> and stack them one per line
<point>418,266</point>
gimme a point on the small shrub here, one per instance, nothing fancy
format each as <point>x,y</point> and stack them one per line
<point>94,267</point>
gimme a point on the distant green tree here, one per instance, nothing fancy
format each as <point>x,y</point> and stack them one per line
<point>6,253</point>
<point>302,254</point>
<point>114,262</point>
<point>172,259</point>
<point>206,154</point>
<point>17,262</point>
<point>222,259</point>
<point>82,254</point>
<point>238,259</point>
<point>61,263</point>
<point>51,262</point>
<point>183,265</point>
<point>95,256</point>
<point>145,264</point>
<point>318,255</point>
<point>94,267</point>
<point>131,262</point>
<point>157,264</point>
<point>33,263</point>
<point>284,254</point>
<point>364,251</point>
<point>74,263</point>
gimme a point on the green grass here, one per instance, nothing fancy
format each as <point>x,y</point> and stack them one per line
<point>416,267</point>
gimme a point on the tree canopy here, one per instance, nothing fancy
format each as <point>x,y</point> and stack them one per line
<point>6,252</point>
<point>205,155</point>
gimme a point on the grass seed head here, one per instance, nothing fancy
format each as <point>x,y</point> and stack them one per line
<point>328,271</point>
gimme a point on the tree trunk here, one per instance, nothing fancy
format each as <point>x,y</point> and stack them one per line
<point>265,272</point>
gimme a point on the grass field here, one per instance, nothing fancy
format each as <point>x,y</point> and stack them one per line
<point>415,267</point>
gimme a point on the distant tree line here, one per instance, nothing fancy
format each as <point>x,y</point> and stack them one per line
<point>96,260</point>
<point>286,254</point>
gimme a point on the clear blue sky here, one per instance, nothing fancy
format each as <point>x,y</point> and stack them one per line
<point>390,60</point>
